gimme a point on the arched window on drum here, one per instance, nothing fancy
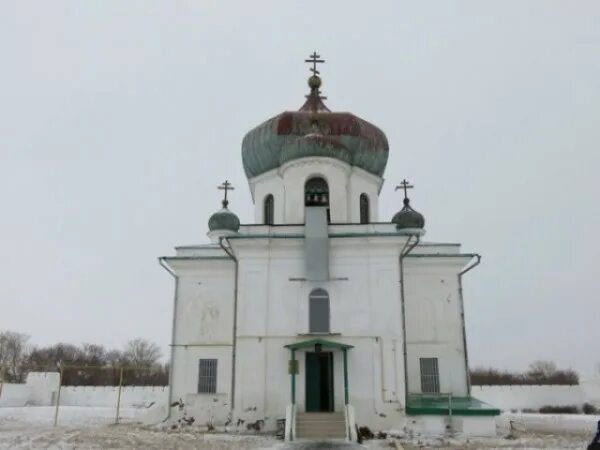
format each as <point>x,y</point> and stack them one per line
<point>269,210</point>
<point>364,209</point>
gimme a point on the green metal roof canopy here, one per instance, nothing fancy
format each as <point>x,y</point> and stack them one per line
<point>441,405</point>
<point>311,343</point>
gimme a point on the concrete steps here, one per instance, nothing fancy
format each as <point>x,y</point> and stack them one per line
<point>321,425</point>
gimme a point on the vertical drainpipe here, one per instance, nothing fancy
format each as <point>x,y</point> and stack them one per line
<point>405,251</point>
<point>462,318</point>
<point>235,308</point>
<point>162,262</point>
<point>294,365</point>
<point>346,399</point>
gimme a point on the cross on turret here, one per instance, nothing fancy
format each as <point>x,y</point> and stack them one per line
<point>315,59</point>
<point>405,185</point>
<point>225,186</point>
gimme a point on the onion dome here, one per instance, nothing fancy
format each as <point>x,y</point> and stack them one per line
<point>224,219</point>
<point>314,130</point>
<point>408,218</point>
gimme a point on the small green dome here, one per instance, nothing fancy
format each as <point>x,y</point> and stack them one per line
<point>408,218</point>
<point>224,219</point>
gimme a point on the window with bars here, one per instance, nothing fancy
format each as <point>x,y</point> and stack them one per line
<point>430,376</point>
<point>207,379</point>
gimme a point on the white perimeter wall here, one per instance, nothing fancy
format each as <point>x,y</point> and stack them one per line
<point>14,394</point>
<point>529,397</point>
<point>131,396</point>
<point>591,390</point>
<point>40,389</point>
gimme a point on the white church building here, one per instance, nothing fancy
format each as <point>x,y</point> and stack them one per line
<point>320,311</point>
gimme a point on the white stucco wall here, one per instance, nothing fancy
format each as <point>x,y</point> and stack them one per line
<point>268,183</point>
<point>365,304</point>
<point>365,308</point>
<point>286,184</point>
<point>273,312</point>
<point>362,182</point>
<point>434,323</point>
<point>365,311</point>
<point>430,425</point>
<point>204,329</point>
<point>297,172</point>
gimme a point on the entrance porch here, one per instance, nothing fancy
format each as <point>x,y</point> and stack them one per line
<point>317,415</point>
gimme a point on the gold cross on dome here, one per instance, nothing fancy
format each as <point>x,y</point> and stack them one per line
<point>315,59</point>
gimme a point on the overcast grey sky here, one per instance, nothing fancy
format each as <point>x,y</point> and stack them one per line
<point>119,118</point>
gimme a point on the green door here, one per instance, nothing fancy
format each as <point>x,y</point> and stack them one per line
<point>313,392</point>
<point>319,381</point>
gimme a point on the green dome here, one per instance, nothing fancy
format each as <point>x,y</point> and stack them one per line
<point>408,218</point>
<point>314,130</point>
<point>224,219</point>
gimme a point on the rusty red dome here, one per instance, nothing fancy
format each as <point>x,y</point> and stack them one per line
<point>314,130</point>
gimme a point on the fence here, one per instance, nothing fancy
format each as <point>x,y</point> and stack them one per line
<point>122,389</point>
<point>42,389</point>
<point>39,389</point>
<point>529,396</point>
<point>124,374</point>
<point>131,396</point>
<point>519,397</point>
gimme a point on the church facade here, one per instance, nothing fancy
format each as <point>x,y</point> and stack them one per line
<point>321,312</point>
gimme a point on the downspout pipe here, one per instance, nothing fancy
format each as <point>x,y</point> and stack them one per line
<point>162,262</point>
<point>227,250</point>
<point>408,247</point>
<point>462,317</point>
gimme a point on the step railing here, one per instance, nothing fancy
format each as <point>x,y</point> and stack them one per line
<point>290,422</point>
<point>350,423</point>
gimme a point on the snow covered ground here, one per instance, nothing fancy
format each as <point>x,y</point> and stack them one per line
<point>93,428</point>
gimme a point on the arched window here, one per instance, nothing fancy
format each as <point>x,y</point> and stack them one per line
<point>269,209</point>
<point>318,311</point>
<point>316,192</point>
<point>364,208</point>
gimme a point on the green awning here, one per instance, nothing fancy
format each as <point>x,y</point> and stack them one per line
<point>441,405</point>
<point>325,344</point>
